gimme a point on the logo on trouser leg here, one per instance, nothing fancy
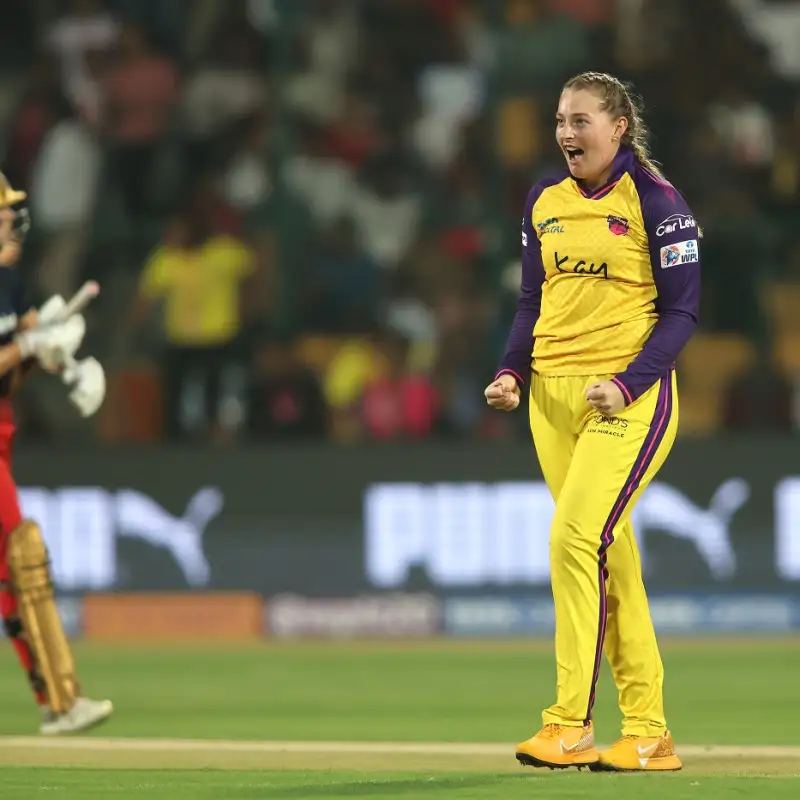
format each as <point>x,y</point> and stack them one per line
<point>607,426</point>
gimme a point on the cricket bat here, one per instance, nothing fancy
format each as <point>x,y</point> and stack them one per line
<point>79,301</point>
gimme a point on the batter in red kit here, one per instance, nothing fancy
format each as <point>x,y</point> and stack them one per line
<point>48,337</point>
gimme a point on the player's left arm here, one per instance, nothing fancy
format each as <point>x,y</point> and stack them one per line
<point>674,241</point>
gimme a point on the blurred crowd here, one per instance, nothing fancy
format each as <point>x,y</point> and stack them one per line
<point>305,215</point>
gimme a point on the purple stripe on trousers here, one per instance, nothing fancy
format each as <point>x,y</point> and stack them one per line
<point>649,448</point>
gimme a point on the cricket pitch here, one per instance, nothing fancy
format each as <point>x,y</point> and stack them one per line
<point>166,753</point>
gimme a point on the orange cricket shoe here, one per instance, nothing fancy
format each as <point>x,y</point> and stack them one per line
<point>640,754</point>
<point>559,747</point>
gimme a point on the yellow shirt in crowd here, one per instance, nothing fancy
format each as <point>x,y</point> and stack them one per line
<point>200,288</point>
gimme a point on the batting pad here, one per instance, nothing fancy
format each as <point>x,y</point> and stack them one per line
<point>30,577</point>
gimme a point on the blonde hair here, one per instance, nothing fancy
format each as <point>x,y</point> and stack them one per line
<point>617,100</point>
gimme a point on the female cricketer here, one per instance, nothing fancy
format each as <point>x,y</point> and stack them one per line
<point>609,298</point>
<point>49,337</point>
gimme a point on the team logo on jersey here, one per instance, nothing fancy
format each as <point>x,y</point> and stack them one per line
<point>550,225</point>
<point>676,222</point>
<point>680,253</point>
<point>619,226</point>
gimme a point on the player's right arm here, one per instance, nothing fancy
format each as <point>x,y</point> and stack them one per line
<point>515,368</point>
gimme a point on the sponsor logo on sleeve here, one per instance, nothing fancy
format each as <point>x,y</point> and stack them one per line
<point>676,222</point>
<point>679,253</point>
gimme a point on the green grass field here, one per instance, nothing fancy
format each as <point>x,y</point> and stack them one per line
<point>391,720</point>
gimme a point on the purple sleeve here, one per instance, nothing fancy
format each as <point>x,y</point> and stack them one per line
<point>519,347</point>
<point>673,238</point>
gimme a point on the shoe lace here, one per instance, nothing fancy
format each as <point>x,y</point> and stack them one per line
<point>629,737</point>
<point>551,731</point>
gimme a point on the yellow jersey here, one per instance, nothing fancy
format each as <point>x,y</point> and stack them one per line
<point>610,279</point>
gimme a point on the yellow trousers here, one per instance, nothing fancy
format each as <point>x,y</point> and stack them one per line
<point>596,468</point>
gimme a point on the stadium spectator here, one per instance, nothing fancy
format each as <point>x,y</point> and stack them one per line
<point>286,402</point>
<point>402,403</point>
<point>63,195</point>
<point>139,94</point>
<point>36,111</point>
<point>88,28</point>
<point>418,122</point>
<point>204,275</point>
<point>226,86</point>
<point>342,288</point>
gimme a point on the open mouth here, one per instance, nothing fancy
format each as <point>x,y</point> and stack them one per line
<point>573,154</point>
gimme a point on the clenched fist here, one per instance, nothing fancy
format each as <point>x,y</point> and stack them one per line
<point>503,394</point>
<point>606,397</point>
